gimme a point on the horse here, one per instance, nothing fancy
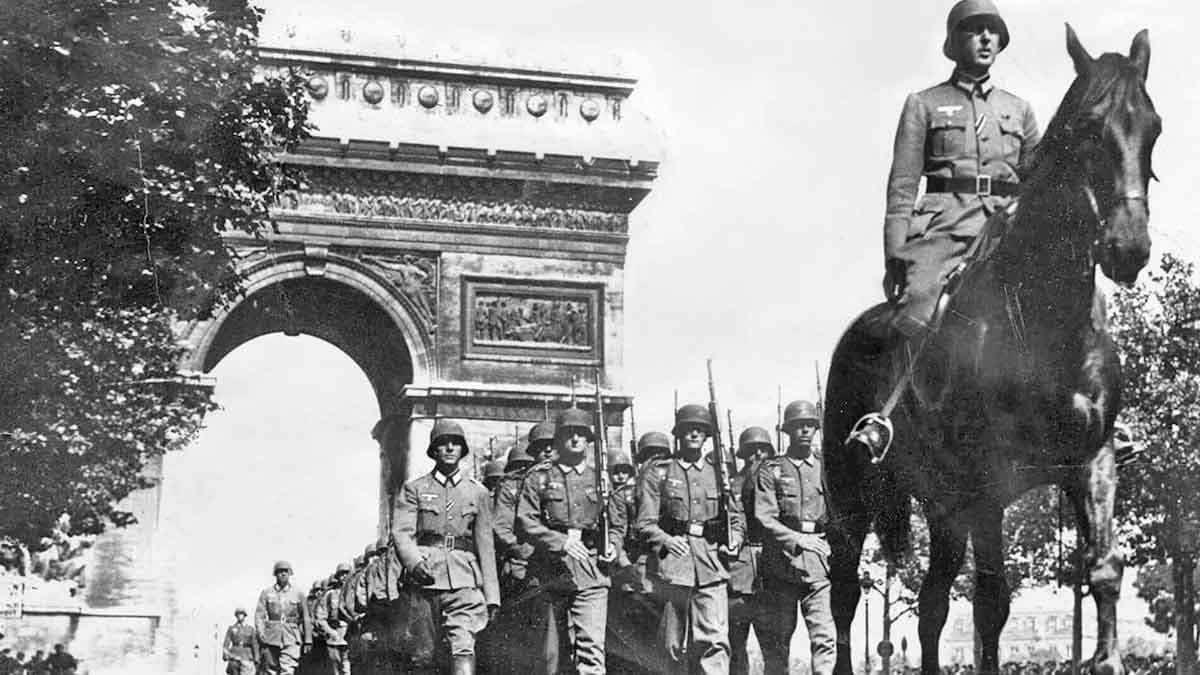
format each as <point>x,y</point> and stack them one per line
<point>1020,386</point>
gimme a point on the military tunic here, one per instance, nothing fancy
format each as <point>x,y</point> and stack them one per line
<point>329,620</point>
<point>789,502</point>
<point>678,498</point>
<point>283,622</point>
<point>745,582</point>
<point>241,646</point>
<point>508,645</point>
<point>447,523</point>
<point>559,502</point>
<point>955,130</point>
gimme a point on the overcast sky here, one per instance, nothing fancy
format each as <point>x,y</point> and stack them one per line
<point>759,243</point>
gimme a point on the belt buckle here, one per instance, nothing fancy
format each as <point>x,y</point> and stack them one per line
<point>696,529</point>
<point>448,541</point>
<point>983,186</point>
<point>808,527</point>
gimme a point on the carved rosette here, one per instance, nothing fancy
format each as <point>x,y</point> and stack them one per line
<point>453,199</point>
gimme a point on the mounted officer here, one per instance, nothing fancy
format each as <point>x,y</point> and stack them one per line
<point>969,139</point>
<point>443,534</point>
<point>559,513</point>
<point>678,507</point>
<point>746,607</point>
<point>789,503</point>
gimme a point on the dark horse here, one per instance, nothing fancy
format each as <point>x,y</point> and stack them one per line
<point>1021,386</point>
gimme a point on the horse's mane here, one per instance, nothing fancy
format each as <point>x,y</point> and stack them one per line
<point>1112,81</point>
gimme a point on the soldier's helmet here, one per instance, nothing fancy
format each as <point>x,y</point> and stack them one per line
<point>518,458</point>
<point>618,459</point>
<point>542,431</point>
<point>968,9</point>
<point>493,470</point>
<point>573,419</point>
<point>653,443</point>
<point>240,610</point>
<point>369,551</point>
<point>281,566</point>
<point>381,545</point>
<point>751,439</point>
<point>446,429</point>
<point>343,567</point>
<point>692,414</point>
<point>316,586</point>
<point>799,411</point>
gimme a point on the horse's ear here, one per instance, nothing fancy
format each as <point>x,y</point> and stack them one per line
<point>1139,53</point>
<point>1083,60</point>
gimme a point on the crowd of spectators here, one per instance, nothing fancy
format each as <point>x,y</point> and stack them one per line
<point>1155,664</point>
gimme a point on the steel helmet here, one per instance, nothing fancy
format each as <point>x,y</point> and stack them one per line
<point>240,610</point>
<point>542,431</point>
<point>370,550</point>
<point>443,429</point>
<point>751,439</point>
<point>519,457</point>
<point>692,414</point>
<point>281,565</point>
<point>381,544</point>
<point>651,441</point>
<point>359,561</point>
<point>574,418</point>
<point>616,458</point>
<point>798,411</point>
<point>343,567</point>
<point>494,469</point>
<point>966,9</point>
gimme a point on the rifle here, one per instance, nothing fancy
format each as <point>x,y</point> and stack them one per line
<point>820,392</point>
<point>779,418</point>
<point>602,480</point>
<point>673,436</point>
<point>719,466</point>
<point>632,435</point>
<point>732,443</point>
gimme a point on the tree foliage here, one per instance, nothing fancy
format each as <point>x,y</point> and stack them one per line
<point>1157,326</point>
<point>133,133</point>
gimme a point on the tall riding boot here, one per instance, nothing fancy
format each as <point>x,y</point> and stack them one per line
<point>464,664</point>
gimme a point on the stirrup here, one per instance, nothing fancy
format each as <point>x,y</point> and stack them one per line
<point>875,431</point>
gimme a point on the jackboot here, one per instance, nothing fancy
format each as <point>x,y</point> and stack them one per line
<point>464,664</point>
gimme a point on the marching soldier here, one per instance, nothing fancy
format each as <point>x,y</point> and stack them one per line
<point>240,649</point>
<point>351,612</point>
<point>678,507</point>
<point>745,583</point>
<point>651,446</point>
<point>331,623</point>
<point>443,535</point>
<point>373,595</point>
<point>789,502</point>
<point>967,138</point>
<point>493,472</point>
<point>631,617</point>
<point>283,623</point>
<point>559,512</point>
<point>508,644</point>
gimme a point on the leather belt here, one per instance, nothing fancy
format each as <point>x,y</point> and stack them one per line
<point>708,529</point>
<point>463,542</point>
<point>983,186</point>
<point>589,536</point>
<point>806,526</point>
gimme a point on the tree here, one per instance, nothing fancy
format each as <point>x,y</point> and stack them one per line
<point>1157,327</point>
<point>133,133</point>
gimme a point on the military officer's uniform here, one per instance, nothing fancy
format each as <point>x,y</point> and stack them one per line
<point>443,533</point>
<point>284,625</point>
<point>678,498</point>
<point>746,606</point>
<point>968,139</point>
<point>559,503</point>
<point>789,503</point>
<point>240,649</point>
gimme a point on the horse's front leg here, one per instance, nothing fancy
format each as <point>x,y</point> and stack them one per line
<point>992,595</point>
<point>846,543</point>
<point>1094,495</point>
<point>947,542</point>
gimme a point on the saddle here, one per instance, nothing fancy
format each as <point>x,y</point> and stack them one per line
<point>875,430</point>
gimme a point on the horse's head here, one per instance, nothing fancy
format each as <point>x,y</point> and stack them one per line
<point>1110,135</point>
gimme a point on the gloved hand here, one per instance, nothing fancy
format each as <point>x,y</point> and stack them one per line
<point>895,279</point>
<point>421,574</point>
